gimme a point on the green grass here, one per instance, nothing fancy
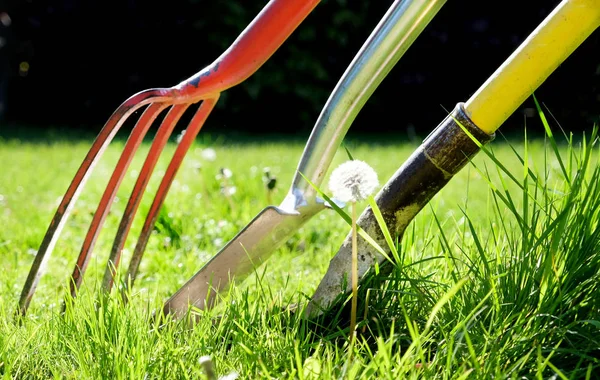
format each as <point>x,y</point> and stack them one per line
<point>499,274</point>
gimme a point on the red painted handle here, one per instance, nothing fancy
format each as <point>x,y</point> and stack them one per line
<point>253,47</point>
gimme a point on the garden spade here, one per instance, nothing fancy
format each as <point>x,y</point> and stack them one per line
<point>458,138</point>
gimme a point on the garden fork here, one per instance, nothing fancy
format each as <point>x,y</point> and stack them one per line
<point>253,47</point>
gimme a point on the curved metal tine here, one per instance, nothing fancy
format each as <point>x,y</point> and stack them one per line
<point>160,140</point>
<point>66,205</point>
<point>131,147</point>
<point>192,130</point>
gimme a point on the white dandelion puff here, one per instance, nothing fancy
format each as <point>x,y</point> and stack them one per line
<point>353,181</point>
<point>224,173</point>
<point>209,154</point>
<point>228,190</point>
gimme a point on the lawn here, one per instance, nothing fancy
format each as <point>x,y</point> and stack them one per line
<point>499,274</point>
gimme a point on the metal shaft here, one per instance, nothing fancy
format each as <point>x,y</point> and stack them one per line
<point>398,29</point>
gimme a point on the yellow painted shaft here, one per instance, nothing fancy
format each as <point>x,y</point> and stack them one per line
<point>571,22</point>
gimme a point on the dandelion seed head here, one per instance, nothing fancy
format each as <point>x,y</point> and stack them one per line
<point>228,190</point>
<point>209,154</point>
<point>353,181</point>
<point>224,173</point>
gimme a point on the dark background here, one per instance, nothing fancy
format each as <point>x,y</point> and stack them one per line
<point>69,64</point>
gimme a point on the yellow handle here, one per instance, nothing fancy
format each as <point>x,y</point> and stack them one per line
<point>571,22</point>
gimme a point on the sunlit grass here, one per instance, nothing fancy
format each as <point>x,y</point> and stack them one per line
<point>499,274</point>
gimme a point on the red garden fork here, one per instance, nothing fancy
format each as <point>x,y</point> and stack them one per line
<point>255,45</point>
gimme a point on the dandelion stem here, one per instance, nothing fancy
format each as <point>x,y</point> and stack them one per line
<point>354,274</point>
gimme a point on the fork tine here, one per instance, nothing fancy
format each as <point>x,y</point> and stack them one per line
<point>66,205</point>
<point>132,145</point>
<point>160,140</point>
<point>253,47</point>
<point>192,130</point>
